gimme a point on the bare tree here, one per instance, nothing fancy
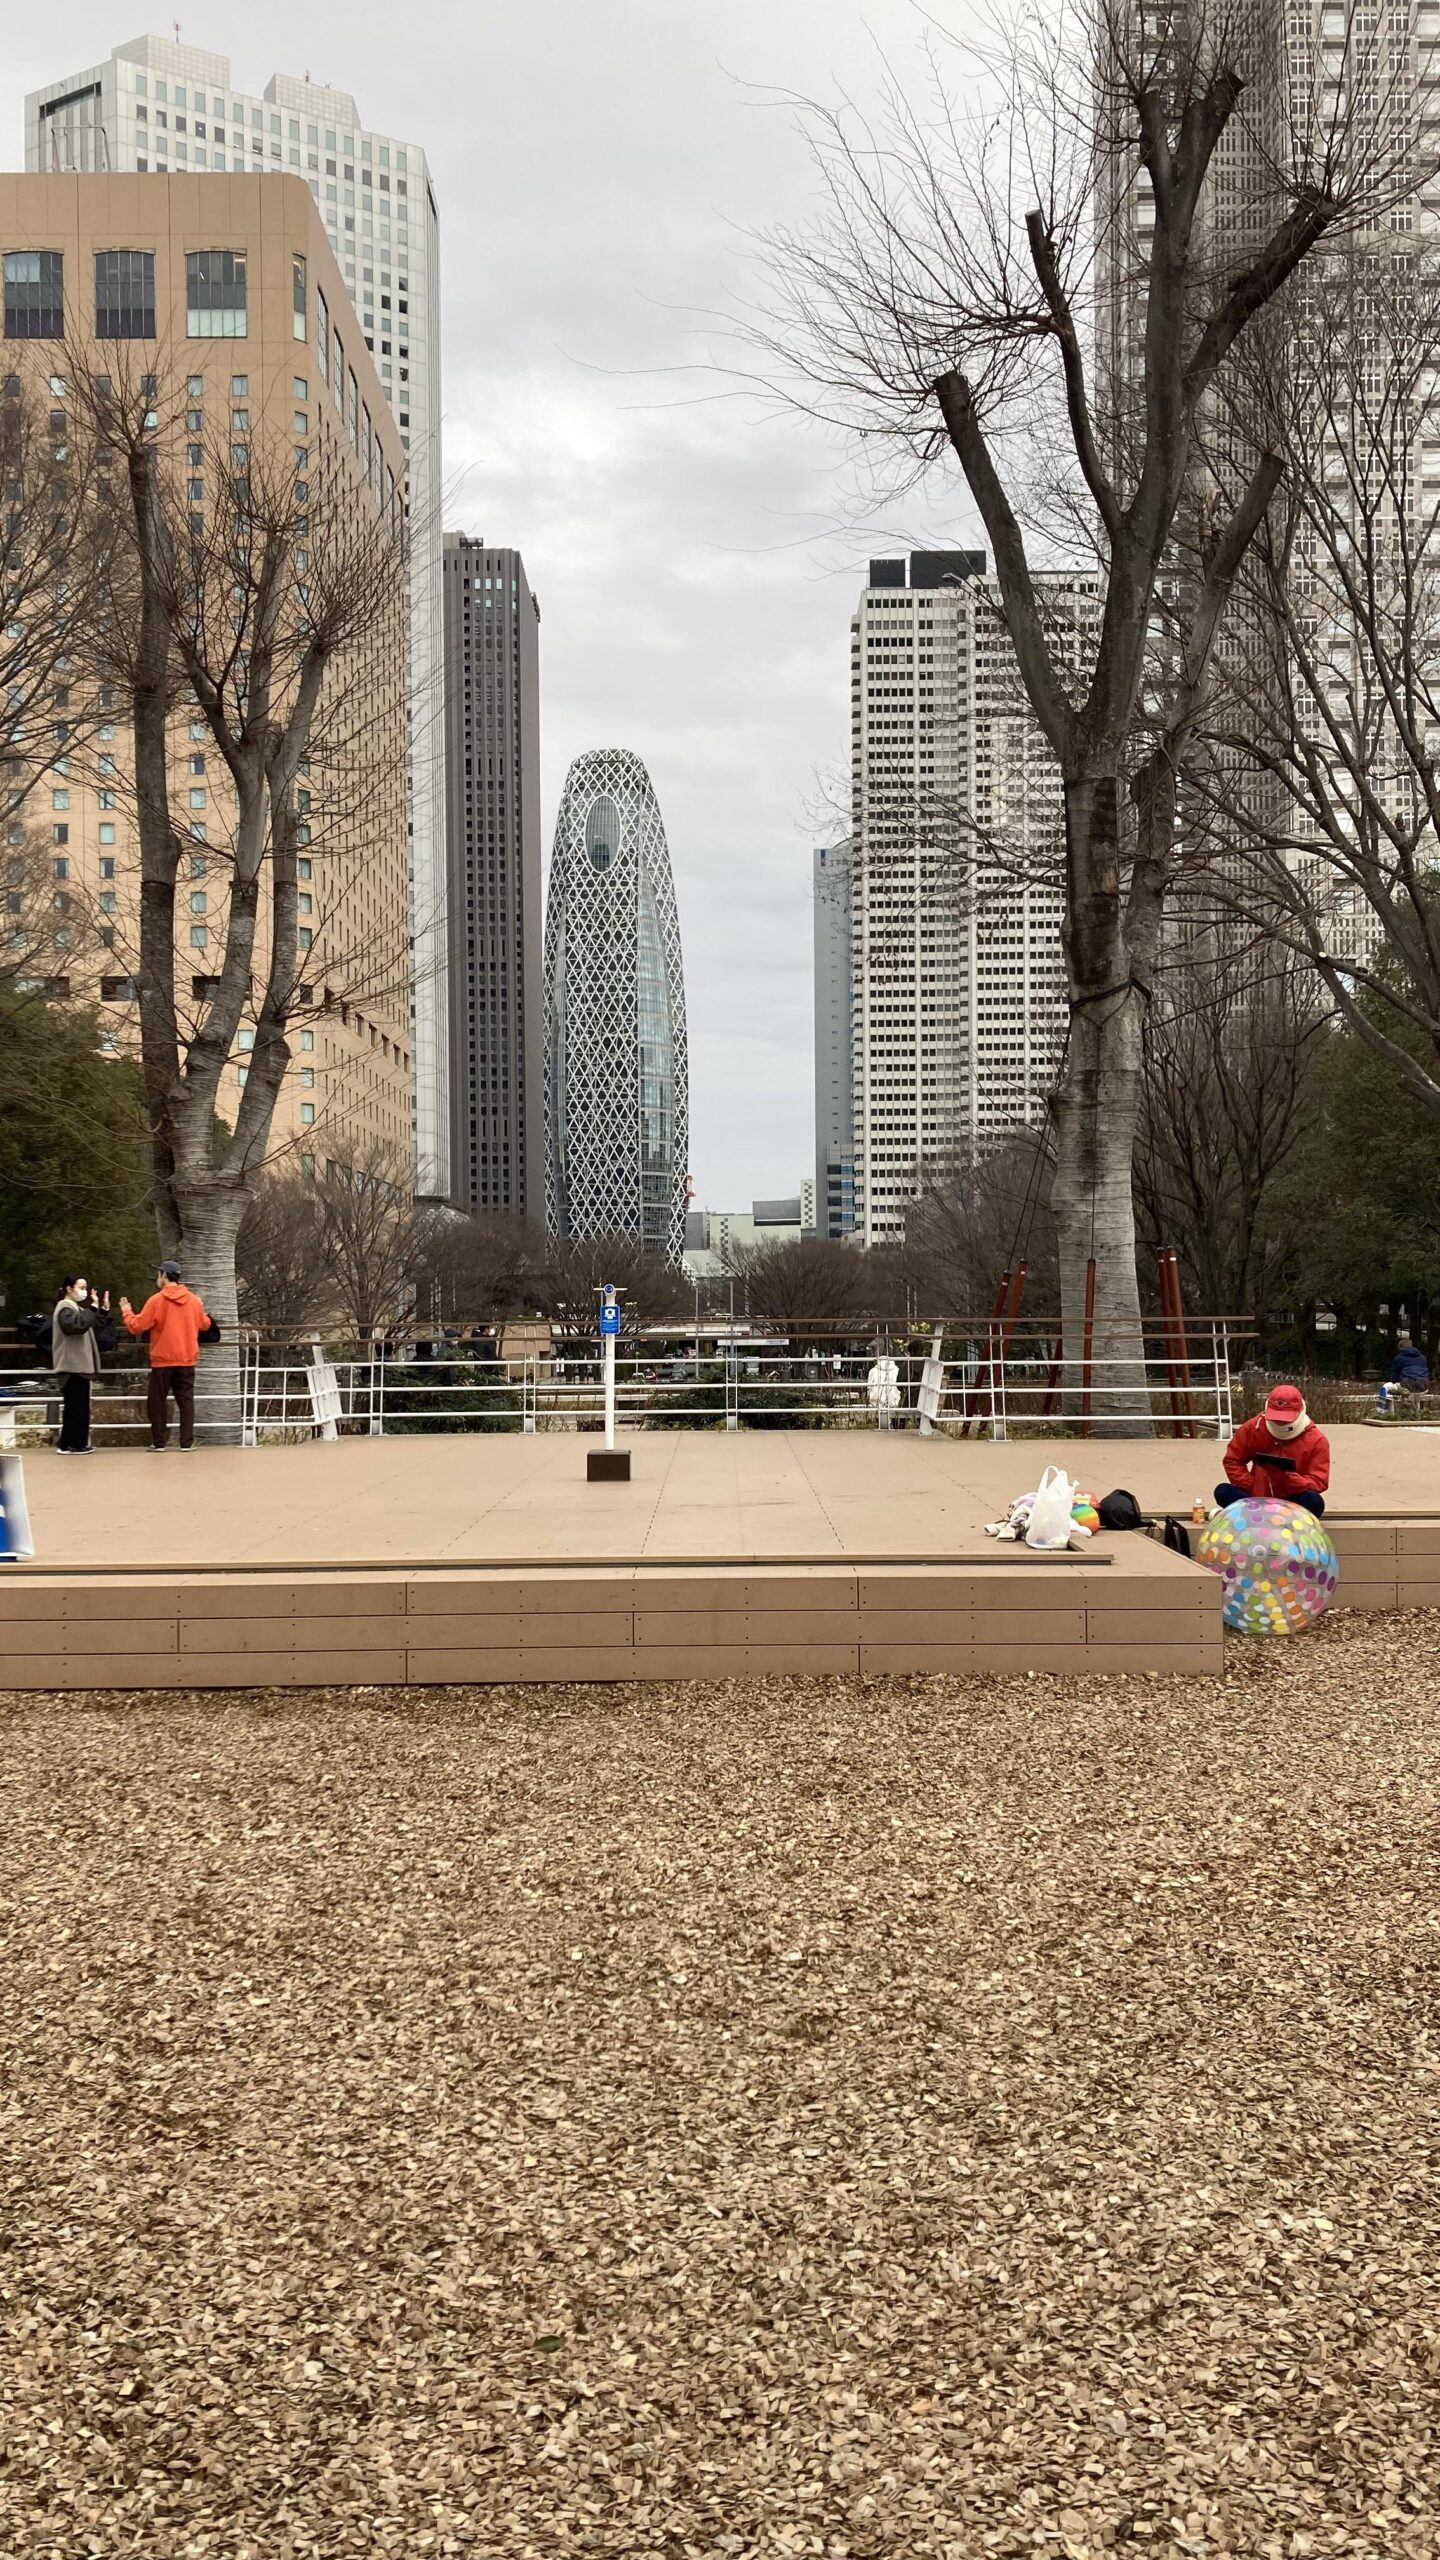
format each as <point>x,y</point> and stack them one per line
<point>283,1279</point>
<point>819,1283</point>
<point>576,1268</point>
<point>1234,1043</point>
<point>273,614</point>
<point>1323,767</point>
<point>946,300</point>
<point>977,1215</point>
<point>57,531</point>
<point>478,1266</point>
<point>372,1244</point>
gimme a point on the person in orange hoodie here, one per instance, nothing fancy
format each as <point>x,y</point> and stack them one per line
<point>175,1320</point>
<point>1280,1455</point>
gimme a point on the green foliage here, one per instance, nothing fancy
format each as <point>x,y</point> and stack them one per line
<point>74,1165</point>
<point>448,1395</point>
<point>699,1405</point>
<point>1368,1176</point>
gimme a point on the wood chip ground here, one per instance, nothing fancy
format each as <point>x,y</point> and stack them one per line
<point>921,2117</point>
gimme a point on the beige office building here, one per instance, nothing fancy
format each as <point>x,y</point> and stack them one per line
<point>226,289</point>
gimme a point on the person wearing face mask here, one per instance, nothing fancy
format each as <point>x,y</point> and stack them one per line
<point>78,1333</point>
<point>1281,1455</point>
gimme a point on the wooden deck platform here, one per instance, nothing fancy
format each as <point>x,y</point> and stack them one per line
<point>489,1558</point>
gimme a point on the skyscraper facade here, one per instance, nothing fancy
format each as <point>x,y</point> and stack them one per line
<point>618,1077</point>
<point>955,866</point>
<point>492,803</point>
<point>834,1041</point>
<point>160,106</point>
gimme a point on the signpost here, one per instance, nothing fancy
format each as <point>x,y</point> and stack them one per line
<point>610,1465</point>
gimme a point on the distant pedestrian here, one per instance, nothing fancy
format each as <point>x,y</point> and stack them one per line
<point>175,1320</point>
<point>79,1329</point>
<point>1410,1368</point>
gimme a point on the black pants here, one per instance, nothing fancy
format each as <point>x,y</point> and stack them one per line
<point>1308,1501</point>
<point>74,1410</point>
<point>164,1383</point>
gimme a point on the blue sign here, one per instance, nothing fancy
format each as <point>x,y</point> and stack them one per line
<point>609,1316</point>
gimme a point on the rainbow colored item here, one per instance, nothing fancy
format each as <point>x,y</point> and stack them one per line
<point>1277,1563</point>
<point>1086,1511</point>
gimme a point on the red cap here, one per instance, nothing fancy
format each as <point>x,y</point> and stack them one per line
<point>1284,1404</point>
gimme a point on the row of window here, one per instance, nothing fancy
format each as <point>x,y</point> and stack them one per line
<point>216,283</point>
<point>176,94</point>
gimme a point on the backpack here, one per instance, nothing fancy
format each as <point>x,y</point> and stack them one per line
<point>1120,1510</point>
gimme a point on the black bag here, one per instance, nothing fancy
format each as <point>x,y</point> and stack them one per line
<point>211,1332</point>
<point>1177,1537</point>
<point>1120,1510</point>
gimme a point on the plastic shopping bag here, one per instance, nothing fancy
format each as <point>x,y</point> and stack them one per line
<point>1050,1512</point>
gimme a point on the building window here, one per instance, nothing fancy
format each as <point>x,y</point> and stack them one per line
<point>298,321</point>
<point>199,902</point>
<point>322,334</point>
<point>215,293</point>
<point>307,1114</point>
<point>107,831</point>
<point>34,293</point>
<point>199,937</point>
<point>124,293</point>
<point>307,1039</point>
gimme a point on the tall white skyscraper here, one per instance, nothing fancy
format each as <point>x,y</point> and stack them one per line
<point>160,106</point>
<point>834,1042</point>
<point>955,876</point>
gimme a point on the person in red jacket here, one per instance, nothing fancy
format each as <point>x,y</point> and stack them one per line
<point>175,1320</point>
<point>1281,1454</point>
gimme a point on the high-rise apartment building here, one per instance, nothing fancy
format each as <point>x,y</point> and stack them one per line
<point>618,1070</point>
<point>225,291</point>
<point>955,871</point>
<point>492,803</point>
<point>160,106</point>
<point>834,1041</point>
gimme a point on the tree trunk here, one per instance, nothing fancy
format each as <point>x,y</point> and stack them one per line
<point>205,1251</point>
<point>1096,1115</point>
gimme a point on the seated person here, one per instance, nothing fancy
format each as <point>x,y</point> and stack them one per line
<point>1280,1455</point>
<point>1410,1368</point>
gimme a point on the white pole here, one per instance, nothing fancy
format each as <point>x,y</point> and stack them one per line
<point>609,1390</point>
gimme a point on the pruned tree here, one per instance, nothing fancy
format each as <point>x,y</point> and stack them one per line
<point>271,614</point>
<point>1051,290</point>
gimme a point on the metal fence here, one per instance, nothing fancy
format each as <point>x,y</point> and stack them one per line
<point>979,1380</point>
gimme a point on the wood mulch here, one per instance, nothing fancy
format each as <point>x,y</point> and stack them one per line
<point>920,2117</point>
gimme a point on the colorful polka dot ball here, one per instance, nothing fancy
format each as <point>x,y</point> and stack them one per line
<point>1277,1563</point>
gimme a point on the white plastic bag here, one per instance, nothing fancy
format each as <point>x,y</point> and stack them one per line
<point>1050,1522</point>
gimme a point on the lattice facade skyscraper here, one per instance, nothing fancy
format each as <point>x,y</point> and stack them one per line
<point>617,1121</point>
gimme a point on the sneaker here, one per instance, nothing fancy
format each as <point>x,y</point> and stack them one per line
<point>157,1448</point>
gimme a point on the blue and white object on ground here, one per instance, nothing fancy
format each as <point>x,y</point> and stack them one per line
<point>15,1538</point>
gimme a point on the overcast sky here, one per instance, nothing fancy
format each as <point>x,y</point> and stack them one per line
<point>599,166</point>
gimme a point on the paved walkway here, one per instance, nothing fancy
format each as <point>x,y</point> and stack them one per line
<point>707,1494</point>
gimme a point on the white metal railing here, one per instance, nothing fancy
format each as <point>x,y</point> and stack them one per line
<point>982,1385</point>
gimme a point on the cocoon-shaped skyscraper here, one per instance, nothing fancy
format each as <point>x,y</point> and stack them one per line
<point>617,1088</point>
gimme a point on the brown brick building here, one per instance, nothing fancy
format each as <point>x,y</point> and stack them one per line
<point>226,290</point>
